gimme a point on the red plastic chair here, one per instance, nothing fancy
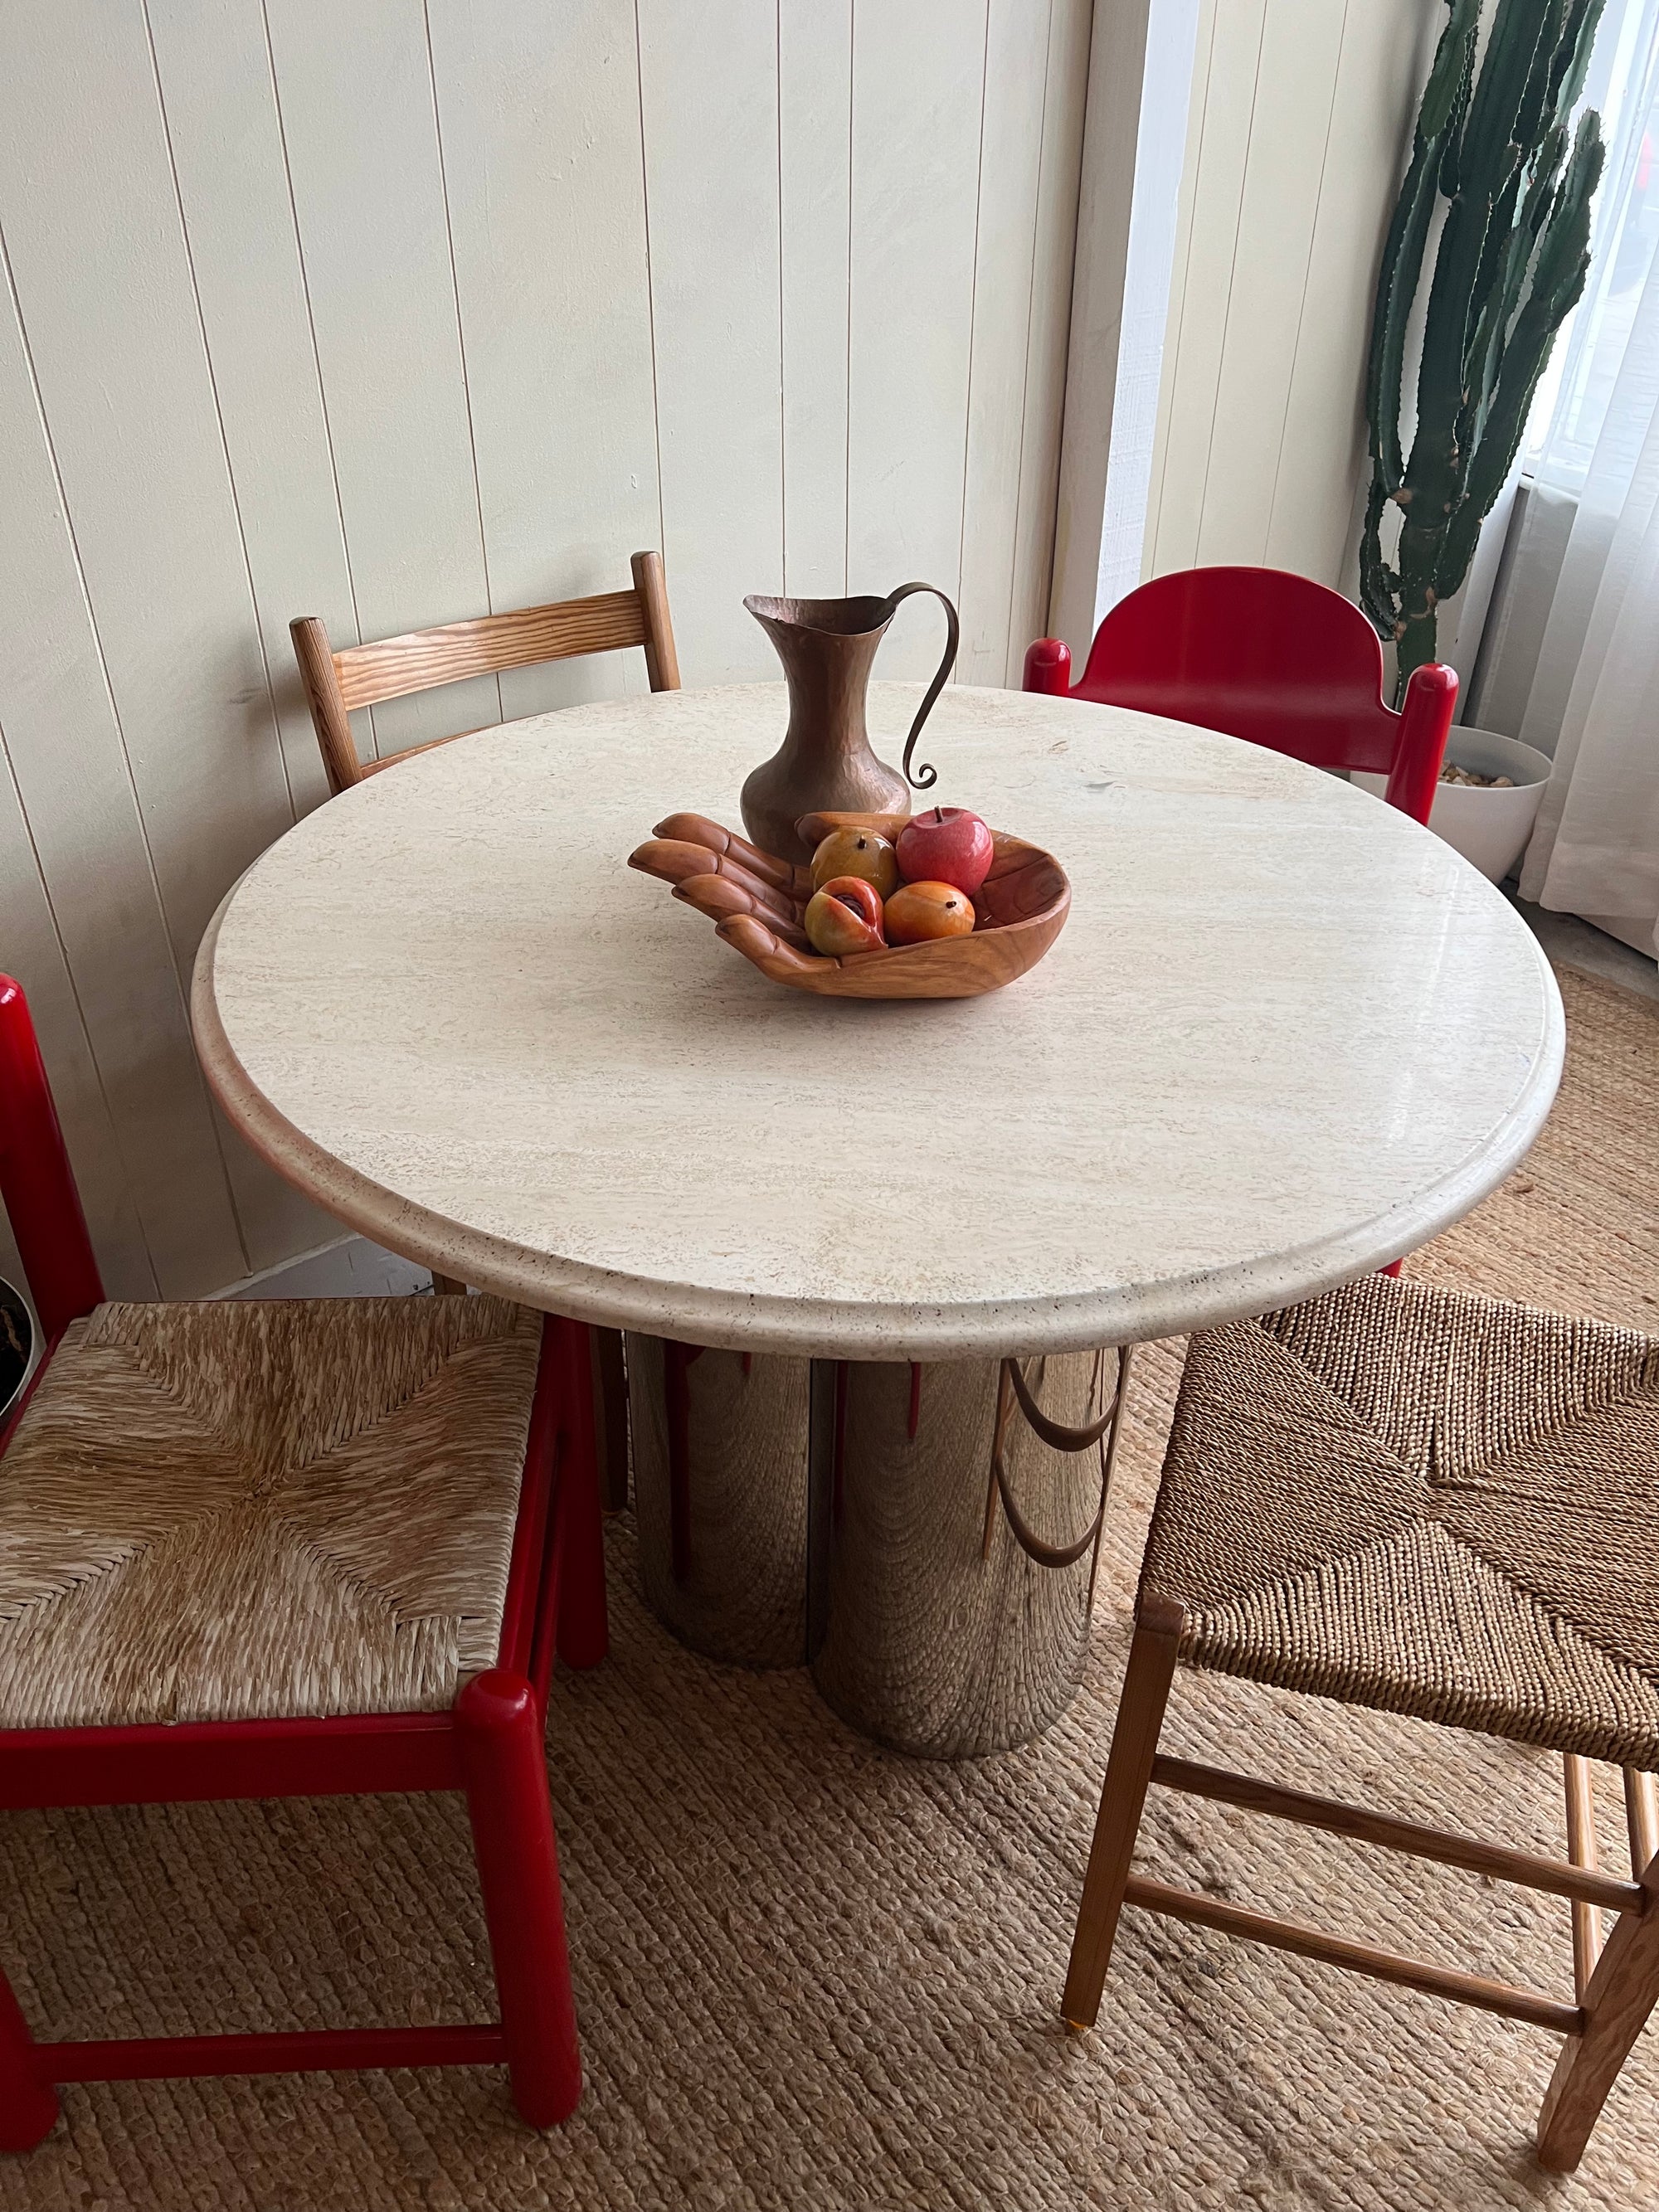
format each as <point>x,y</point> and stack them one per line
<point>488,1743</point>
<point>1269,657</point>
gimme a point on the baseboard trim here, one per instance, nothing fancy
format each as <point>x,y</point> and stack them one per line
<point>345,1268</point>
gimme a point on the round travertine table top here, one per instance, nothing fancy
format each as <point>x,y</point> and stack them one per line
<point>1285,1036</point>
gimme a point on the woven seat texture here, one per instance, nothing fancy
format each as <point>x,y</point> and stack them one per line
<point>1433,1503</point>
<point>240,1510</point>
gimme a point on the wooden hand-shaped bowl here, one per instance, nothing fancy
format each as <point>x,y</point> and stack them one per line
<point>756,901</point>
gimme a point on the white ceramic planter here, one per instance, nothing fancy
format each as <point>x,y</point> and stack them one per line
<point>1489,828</point>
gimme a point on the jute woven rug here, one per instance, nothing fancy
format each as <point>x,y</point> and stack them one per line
<point>813,1974</point>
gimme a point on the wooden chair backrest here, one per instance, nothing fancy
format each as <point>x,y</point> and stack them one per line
<point>422,659</point>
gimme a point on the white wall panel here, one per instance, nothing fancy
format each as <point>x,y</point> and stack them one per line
<point>1049,334</point>
<point>1301,118</point>
<point>33,955</point>
<point>539,109</point>
<point>1139,76</point>
<point>104,285</point>
<point>1017,78</point>
<point>1182,291</point>
<point>1285,172</point>
<point>396,313</point>
<point>708,85</point>
<point>918,117</point>
<point>84,830</point>
<point>353,85</point>
<point>1199,318</point>
<point>220,107</point>
<point>1379,73</point>
<point>815,182</point>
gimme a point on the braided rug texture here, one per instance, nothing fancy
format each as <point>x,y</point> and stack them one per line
<point>812,1973</point>
<point>209,1513</point>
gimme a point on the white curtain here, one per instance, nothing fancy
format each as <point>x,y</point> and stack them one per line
<point>1594,697</point>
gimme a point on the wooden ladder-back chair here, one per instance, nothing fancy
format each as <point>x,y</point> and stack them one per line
<point>1270,657</point>
<point>424,659</point>
<point>1425,1502</point>
<point>203,1595</point>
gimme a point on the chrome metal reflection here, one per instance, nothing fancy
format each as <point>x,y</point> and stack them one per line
<point>720,1497</point>
<point>934,1627</point>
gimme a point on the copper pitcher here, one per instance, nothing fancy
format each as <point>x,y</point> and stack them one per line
<point>824,762</point>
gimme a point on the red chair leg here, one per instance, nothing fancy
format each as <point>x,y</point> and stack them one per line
<point>584,1635</point>
<point>499,1723</point>
<point>28,2104</point>
<point>1393,1268</point>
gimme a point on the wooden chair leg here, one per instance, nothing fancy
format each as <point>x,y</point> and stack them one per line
<point>1622,1992</point>
<point>500,1727</point>
<point>583,1633</point>
<point>447,1286</point>
<point>1129,1771</point>
<point>29,2104</point>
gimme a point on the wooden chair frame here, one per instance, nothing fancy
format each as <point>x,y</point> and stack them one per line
<point>1616,1983</point>
<point>423,659</point>
<point>488,1744</point>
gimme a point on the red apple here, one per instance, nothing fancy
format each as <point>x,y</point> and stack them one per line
<point>946,845</point>
<point>917,913</point>
<point>844,916</point>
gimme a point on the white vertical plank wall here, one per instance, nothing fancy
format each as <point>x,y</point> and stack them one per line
<point>122,1035</point>
<point>539,113</point>
<point>1048,325</point>
<point>396,313</point>
<point>1004,270</point>
<point>360,122</point>
<point>1300,121</point>
<point>1379,76</point>
<point>708,93</point>
<point>920,91</point>
<point>815,181</point>
<point>226,138</point>
<point>106,293</point>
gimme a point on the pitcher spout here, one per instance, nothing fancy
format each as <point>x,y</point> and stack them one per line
<point>863,617</point>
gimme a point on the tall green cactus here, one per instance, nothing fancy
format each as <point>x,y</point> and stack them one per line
<point>1510,265</point>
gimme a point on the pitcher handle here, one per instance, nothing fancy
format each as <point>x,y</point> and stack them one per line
<point>926,775</point>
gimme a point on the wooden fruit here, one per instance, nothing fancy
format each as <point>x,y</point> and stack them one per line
<point>918,913</point>
<point>863,853</point>
<point>757,903</point>
<point>946,845</point>
<point>844,915</point>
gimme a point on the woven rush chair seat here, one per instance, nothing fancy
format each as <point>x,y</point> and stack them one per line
<point>1436,1504</point>
<point>236,1510</point>
<point>291,1549</point>
<point>1428,1504</point>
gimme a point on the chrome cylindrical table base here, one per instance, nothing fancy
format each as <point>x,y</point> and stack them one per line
<point>954,1544</point>
<point>926,1536</point>
<point>720,1497</point>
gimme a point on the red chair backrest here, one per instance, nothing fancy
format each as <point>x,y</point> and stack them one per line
<point>1270,657</point>
<point>37,1184</point>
